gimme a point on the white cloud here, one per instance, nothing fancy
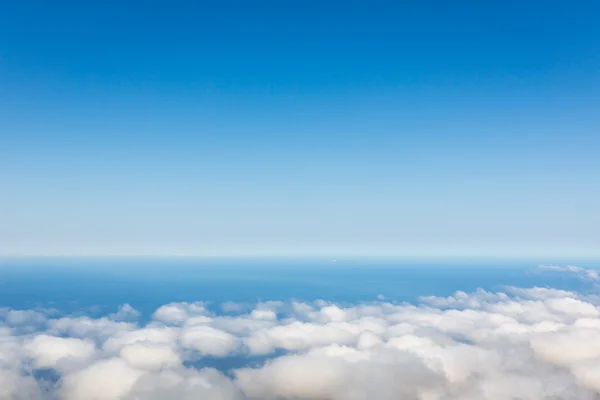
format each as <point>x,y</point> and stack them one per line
<point>268,315</point>
<point>242,325</point>
<point>584,273</point>
<point>302,377</point>
<point>185,384</point>
<point>86,327</point>
<point>208,341</point>
<point>155,335</point>
<point>232,307</point>
<point>22,317</point>
<point>178,313</point>
<point>104,380</point>
<point>125,313</point>
<point>150,357</point>
<point>15,386</point>
<point>535,344</point>
<point>59,353</point>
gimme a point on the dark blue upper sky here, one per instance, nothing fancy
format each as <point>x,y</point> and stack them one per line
<point>241,127</point>
<point>304,47</point>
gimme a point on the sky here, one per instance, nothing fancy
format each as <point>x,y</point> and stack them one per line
<point>299,128</point>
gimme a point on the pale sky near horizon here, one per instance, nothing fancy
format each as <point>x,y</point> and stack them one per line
<point>300,128</point>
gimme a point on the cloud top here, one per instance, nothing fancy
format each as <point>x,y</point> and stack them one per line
<point>528,343</point>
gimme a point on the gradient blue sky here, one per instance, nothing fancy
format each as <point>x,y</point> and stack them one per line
<point>299,128</point>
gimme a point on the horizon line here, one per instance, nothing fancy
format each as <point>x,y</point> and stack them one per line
<point>331,257</point>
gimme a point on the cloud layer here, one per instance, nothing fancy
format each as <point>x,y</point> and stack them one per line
<point>523,343</point>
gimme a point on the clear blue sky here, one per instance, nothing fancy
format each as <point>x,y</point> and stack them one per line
<point>300,127</point>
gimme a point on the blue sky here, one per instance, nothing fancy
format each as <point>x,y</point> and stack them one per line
<point>299,128</point>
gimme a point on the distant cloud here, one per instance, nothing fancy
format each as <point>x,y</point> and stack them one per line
<point>529,343</point>
<point>178,313</point>
<point>232,307</point>
<point>591,274</point>
<point>125,313</point>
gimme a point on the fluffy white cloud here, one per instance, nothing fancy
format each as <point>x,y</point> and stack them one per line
<point>208,340</point>
<point>268,315</point>
<point>178,313</point>
<point>15,386</point>
<point>185,384</point>
<point>150,357</point>
<point>125,313</point>
<point>301,336</point>
<point>156,335</point>
<point>303,377</point>
<point>104,380</point>
<point>22,317</point>
<point>59,353</point>
<point>536,343</point>
<point>85,327</point>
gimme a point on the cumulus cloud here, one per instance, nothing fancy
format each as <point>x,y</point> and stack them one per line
<point>521,343</point>
<point>185,384</point>
<point>125,313</point>
<point>150,357</point>
<point>22,317</point>
<point>85,327</point>
<point>109,379</point>
<point>208,340</point>
<point>232,307</point>
<point>58,353</point>
<point>154,335</point>
<point>178,313</point>
<point>15,386</point>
